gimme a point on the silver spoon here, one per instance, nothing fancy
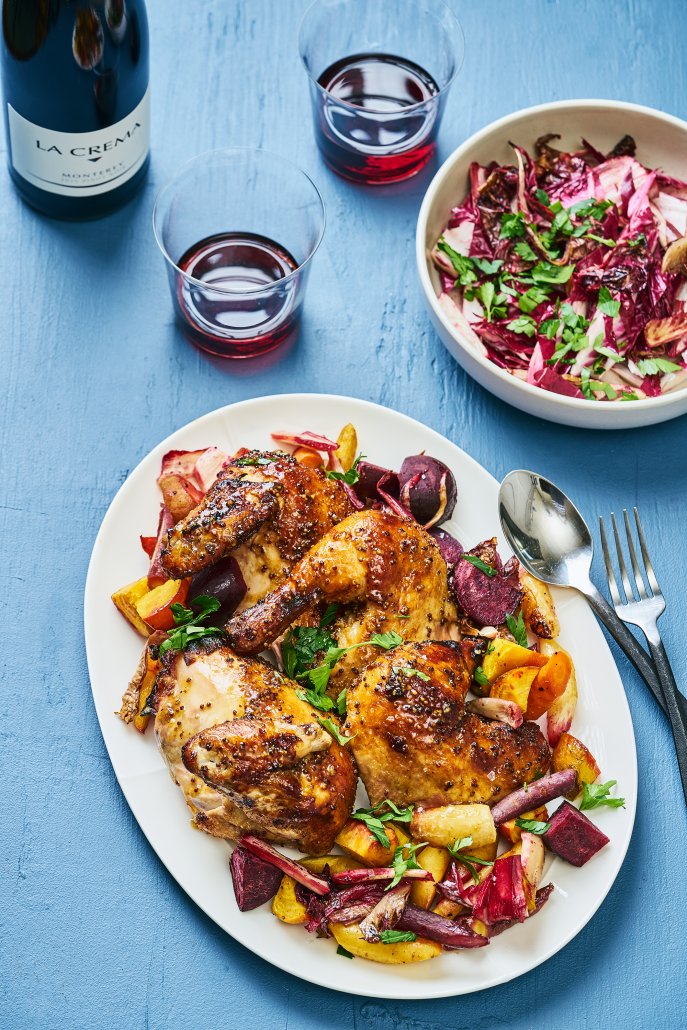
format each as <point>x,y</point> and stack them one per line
<point>551,539</point>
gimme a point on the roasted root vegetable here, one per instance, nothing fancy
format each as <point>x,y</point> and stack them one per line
<point>571,753</point>
<point>497,709</point>
<point>504,655</point>
<point>573,836</point>
<point>444,825</point>
<point>155,606</point>
<point>386,913</point>
<point>436,860</point>
<point>259,848</point>
<point>549,684</point>
<point>357,840</point>
<point>452,934</point>
<point>368,875</point>
<point>560,714</point>
<point>125,599</point>
<point>255,881</point>
<point>538,792</point>
<point>513,833</point>
<point>224,581</point>
<point>515,685</point>
<point>347,448</point>
<point>287,906</point>
<point>427,489</point>
<point>538,610</point>
<point>306,456</point>
<point>532,859</point>
<point>350,938</point>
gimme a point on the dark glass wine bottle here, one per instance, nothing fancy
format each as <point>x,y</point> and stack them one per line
<point>77,119</point>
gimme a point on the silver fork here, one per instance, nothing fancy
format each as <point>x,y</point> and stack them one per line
<point>642,606</point>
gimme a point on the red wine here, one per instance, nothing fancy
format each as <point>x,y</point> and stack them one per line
<point>246,305</point>
<point>377,134</point>
<point>75,79</point>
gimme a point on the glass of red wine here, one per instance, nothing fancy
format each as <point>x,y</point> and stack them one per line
<point>379,76</point>
<point>238,230</point>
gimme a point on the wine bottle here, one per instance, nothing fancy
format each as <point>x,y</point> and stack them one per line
<point>77,104</point>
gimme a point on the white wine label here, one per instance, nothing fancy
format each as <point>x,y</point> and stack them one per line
<point>82,164</point>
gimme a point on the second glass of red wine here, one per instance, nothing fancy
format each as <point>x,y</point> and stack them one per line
<point>238,230</point>
<point>379,76</point>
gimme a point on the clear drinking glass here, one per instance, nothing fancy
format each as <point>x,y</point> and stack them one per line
<point>238,230</point>
<point>380,72</point>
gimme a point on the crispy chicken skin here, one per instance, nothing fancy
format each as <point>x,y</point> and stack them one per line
<point>267,514</point>
<point>247,753</point>
<point>414,742</point>
<point>387,572</point>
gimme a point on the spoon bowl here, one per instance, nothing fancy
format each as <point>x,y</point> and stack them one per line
<point>545,530</point>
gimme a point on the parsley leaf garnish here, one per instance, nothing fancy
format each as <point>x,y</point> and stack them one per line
<point>517,628</point>
<point>523,324</point>
<point>469,861</point>
<point>188,623</point>
<point>479,677</point>
<point>403,860</point>
<point>342,951</point>
<point>532,298</point>
<point>319,675</point>
<point>396,936</point>
<point>341,703</point>
<point>351,476</point>
<point>483,566</point>
<point>654,366</point>
<point>533,826</point>
<point>252,459</point>
<point>462,265</point>
<point>638,241</point>
<point>512,225</point>
<point>374,818</point>
<point>407,670</point>
<point>524,251</point>
<point>547,273</point>
<point>606,304</point>
<point>596,794</point>
<point>330,726</point>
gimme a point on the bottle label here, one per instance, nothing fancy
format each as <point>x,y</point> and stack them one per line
<point>80,164</point>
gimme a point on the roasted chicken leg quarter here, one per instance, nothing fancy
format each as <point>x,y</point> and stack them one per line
<point>267,510</point>
<point>248,755</point>
<point>385,571</point>
<point>414,742</point>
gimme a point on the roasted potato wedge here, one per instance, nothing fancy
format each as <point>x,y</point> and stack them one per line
<point>437,860</point>
<point>355,839</point>
<point>560,715</point>
<point>571,753</point>
<point>445,825</point>
<point>515,685</point>
<point>503,655</point>
<point>155,606</point>
<point>126,598</point>
<point>286,906</point>
<point>538,609</point>
<point>513,833</point>
<point>350,938</point>
<point>336,863</point>
<point>348,446</point>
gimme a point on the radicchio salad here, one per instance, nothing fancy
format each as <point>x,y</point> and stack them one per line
<point>568,270</point>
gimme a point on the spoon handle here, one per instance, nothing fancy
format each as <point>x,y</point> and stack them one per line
<point>634,651</point>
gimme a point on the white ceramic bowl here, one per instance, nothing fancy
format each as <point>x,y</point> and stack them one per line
<point>661,141</point>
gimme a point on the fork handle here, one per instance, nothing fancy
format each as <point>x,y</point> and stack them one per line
<point>671,695</point>
<point>634,651</point>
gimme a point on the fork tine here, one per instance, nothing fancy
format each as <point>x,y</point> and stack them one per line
<point>610,574</point>
<point>641,587</point>
<point>627,586</point>
<point>651,576</point>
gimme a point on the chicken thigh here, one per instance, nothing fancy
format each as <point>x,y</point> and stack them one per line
<point>414,742</point>
<point>267,510</point>
<point>385,571</point>
<point>248,755</point>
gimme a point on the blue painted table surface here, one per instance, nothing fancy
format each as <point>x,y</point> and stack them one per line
<point>95,933</point>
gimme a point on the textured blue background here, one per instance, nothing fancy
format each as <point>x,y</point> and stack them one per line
<point>95,934</point>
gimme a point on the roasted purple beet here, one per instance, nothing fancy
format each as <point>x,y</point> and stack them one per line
<point>450,548</point>
<point>369,476</point>
<point>428,489</point>
<point>485,589</point>
<point>572,836</point>
<point>255,881</point>
<point>225,582</point>
<point>537,793</point>
<point>451,933</point>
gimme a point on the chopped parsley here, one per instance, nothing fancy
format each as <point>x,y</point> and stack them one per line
<point>188,623</point>
<point>479,677</point>
<point>374,818</point>
<point>606,305</point>
<point>405,858</point>
<point>533,826</point>
<point>342,951</point>
<point>469,861</point>
<point>351,476</point>
<point>655,366</point>
<point>407,670</point>
<point>596,794</point>
<point>483,566</point>
<point>396,936</point>
<point>517,628</point>
<point>330,726</point>
<point>252,460</point>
